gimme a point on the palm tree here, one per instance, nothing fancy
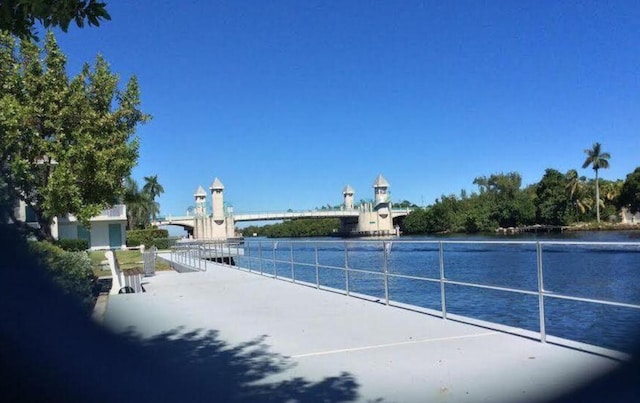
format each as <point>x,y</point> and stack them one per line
<point>577,192</point>
<point>140,205</point>
<point>152,188</point>
<point>597,159</point>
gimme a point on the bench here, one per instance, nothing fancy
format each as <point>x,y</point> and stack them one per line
<point>124,281</point>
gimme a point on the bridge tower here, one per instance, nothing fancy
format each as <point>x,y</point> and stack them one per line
<point>217,200</point>
<point>376,218</point>
<point>348,193</point>
<point>201,202</point>
<point>380,188</point>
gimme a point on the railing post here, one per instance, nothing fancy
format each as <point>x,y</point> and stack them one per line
<point>293,272</point>
<point>247,252</point>
<point>223,252</point>
<point>385,269</point>
<point>443,299</point>
<point>229,250</point>
<point>543,333</point>
<point>346,266</point>
<point>317,268</point>
<point>275,266</point>
<point>260,256</point>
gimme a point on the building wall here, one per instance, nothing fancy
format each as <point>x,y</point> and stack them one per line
<point>628,218</point>
<point>210,228</point>
<point>67,230</point>
<point>217,200</point>
<point>378,220</point>
<point>100,234</point>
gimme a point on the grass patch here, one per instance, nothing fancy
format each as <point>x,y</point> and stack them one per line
<point>128,259</point>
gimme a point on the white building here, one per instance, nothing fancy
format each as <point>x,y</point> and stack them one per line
<point>107,230</point>
<point>627,218</point>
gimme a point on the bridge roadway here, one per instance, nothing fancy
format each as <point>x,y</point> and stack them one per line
<point>322,346</point>
<point>283,215</point>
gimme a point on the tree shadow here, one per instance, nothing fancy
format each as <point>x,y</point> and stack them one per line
<point>51,351</point>
<point>238,373</point>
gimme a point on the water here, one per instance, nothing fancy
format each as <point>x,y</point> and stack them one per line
<point>609,273</point>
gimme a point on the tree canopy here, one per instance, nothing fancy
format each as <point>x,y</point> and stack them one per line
<point>18,17</point>
<point>152,187</point>
<point>301,227</point>
<point>141,204</point>
<point>630,193</point>
<point>67,144</point>
<point>557,199</point>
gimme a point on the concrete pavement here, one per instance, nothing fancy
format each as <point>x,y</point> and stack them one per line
<point>392,354</point>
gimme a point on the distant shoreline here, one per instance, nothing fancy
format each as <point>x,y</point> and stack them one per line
<point>569,228</point>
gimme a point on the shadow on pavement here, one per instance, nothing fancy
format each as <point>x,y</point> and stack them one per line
<point>51,351</point>
<point>241,372</point>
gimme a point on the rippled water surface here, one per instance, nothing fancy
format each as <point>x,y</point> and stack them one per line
<point>603,272</point>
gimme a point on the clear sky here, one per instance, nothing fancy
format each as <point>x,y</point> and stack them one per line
<point>288,101</point>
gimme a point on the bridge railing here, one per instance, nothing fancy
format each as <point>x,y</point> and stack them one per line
<point>430,275</point>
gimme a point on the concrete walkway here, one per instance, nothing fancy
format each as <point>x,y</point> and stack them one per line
<point>391,354</point>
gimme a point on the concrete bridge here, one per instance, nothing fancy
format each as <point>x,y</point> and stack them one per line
<point>376,218</point>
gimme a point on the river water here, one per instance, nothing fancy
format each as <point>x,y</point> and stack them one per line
<point>595,271</point>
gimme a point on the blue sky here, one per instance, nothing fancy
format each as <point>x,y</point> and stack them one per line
<point>288,101</point>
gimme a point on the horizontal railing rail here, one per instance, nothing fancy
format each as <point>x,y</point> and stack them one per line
<point>274,257</point>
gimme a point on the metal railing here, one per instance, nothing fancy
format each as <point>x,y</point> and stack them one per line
<point>269,257</point>
<point>195,254</point>
<point>117,211</point>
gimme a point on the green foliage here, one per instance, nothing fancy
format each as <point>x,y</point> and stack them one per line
<point>304,227</point>
<point>73,245</point>
<point>161,243</point>
<point>152,189</point>
<point>18,17</point>
<point>415,222</point>
<point>405,204</point>
<point>141,206</point>
<point>71,271</point>
<point>554,205</point>
<point>66,144</point>
<point>630,192</point>
<point>148,237</point>
<point>507,204</point>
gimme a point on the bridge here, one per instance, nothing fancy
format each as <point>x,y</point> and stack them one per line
<point>374,218</point>
<point>188,221</point>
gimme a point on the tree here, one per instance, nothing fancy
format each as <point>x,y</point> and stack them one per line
<point>19,16</point>
<point>66,145</point>
<point>405,204</point>
<point>140,205</point>
<point>576,190</point>
<point>153,188</point>
<point>630,193</point>
<point>597,159</point>
<point>554,205</point>
<point>510,207</point>
<point>415,222</point>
